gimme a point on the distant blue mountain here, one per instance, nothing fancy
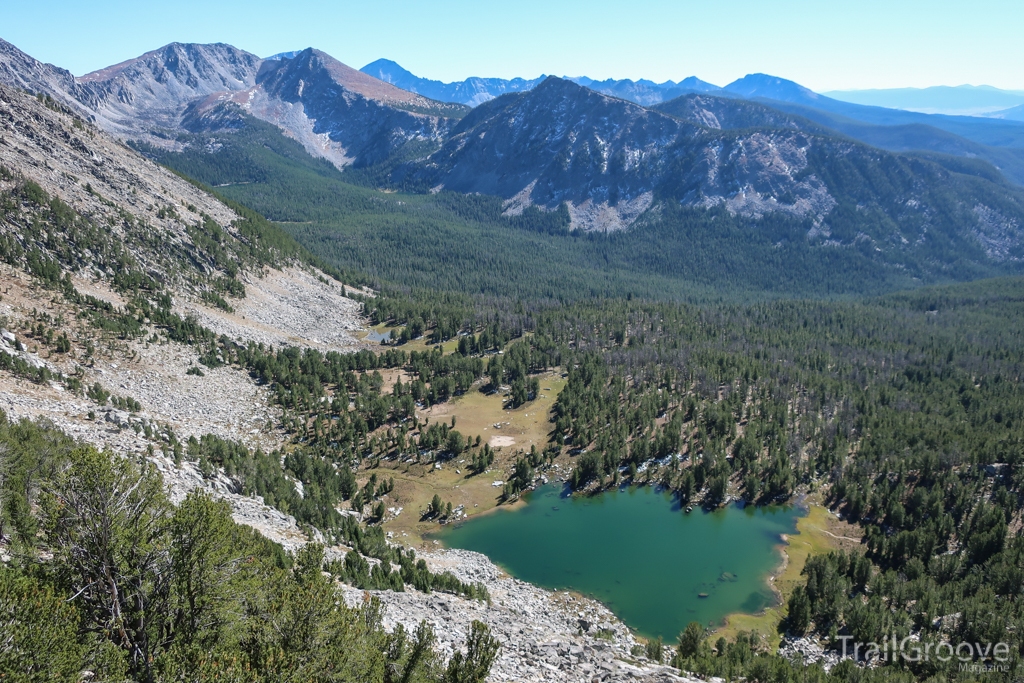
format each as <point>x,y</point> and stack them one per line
<point>645,92</point>
<point>283,55</point>
<point>795,98</point>
<point>753,86</point>
<point>474,91</point>
<point>961,100</point>
<point>1011,114</point>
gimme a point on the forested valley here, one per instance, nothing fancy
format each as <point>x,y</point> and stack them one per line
<point>903,411</point>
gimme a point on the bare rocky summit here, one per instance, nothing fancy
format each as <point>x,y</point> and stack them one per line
<point>335,111</point>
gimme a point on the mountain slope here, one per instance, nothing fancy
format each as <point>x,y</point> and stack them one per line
<point>327,105</point>
<point>463,243</point>
<point>560,143</point>
<point>145,222</point>
<point>474,244</point>
<point>1011,114</point>
<point>727,113</point>
<point>335,111</point>
<point>609,162</point>
<point>784,94</point>
<point>79,205</point>
<point>19,70</point>
<point>119,276</point>
<point>1001,143</point>
<point>602,163</point>
<point>152,91</point>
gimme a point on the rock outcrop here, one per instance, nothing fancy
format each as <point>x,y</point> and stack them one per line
<point>606,158</point>
<point>545,636</point>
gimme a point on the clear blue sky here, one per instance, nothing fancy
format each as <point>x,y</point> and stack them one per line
<point>823,45</point>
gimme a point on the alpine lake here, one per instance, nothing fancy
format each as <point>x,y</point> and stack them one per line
<point>654,565</point>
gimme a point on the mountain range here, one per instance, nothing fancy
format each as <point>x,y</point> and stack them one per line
<point>998,142</point>
<point>474,91</point>
<point>792,166</point>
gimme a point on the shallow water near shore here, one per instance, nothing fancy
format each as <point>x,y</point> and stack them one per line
<point>656,567</point>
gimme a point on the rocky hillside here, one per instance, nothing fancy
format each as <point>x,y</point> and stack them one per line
<point>119,362</point>
<point>725,113</point>
<point>113,269</point>
<point>113,214</point>
<point>607,159</point>
<point>335,111</point>
<point>329,106</point>
<point>611,162</point>
<point>150,93</point>
<point>559,143</point>
<point>141,96</point>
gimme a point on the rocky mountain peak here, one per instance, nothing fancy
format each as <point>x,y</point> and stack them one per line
<point>310,64</point>
<point>388,71</point>
<point>771,87</point>
<point>217,65</point>
<point>153,90</point>
<point>561,142</point>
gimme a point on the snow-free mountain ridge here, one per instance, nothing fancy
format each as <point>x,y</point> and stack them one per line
<point>748,149</point>
<point>474,91</point>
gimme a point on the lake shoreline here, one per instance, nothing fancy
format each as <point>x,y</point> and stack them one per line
<point>812,538</point>
<point>632,519</point>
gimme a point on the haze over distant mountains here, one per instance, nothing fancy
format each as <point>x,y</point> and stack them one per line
<point>474,91</point>
<point>964,100</point>
<point>961,100</point>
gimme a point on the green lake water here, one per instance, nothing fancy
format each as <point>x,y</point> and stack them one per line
<point>637,552</point>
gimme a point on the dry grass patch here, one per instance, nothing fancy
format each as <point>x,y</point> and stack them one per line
<point>475,413</point>
<point>818,532</point>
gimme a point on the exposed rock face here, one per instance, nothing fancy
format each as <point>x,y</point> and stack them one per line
<point>151,92</point>
<point>367,118</point>
<point>139,214</point>
<point>606,158</point>
<point>560,143</point>
<point>19,70</point>
<point>99,177</point>
<point>335,111</point>
<point>545,636</point>
<point>725,113</point>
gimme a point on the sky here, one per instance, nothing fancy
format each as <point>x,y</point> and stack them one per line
<point>822,45</point>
